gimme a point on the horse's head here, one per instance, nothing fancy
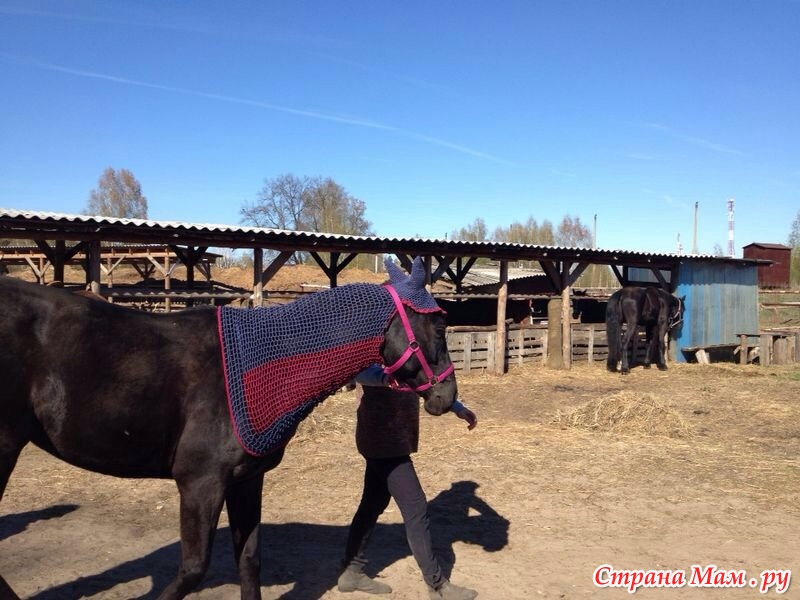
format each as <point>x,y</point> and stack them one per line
<point>415,349</point>
<point>676,307</point>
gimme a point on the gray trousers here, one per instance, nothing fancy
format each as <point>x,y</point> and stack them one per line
<point>384,479</point>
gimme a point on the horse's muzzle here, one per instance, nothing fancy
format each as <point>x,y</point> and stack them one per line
<point>439,398</point>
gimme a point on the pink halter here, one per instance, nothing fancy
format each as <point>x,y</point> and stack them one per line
<point>413,348</point>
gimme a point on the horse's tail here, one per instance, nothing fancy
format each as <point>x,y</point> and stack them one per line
<point>613,332</point>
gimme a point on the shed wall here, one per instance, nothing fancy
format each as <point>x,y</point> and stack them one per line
<point>775,275</point>
<point>721,302</point>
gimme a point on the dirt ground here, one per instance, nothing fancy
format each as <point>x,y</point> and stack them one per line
<point>567,470</point>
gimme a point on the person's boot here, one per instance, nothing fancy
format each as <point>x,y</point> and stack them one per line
<point>355,580</point>
<point>450,591</point>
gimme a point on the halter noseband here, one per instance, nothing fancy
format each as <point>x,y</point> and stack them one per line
<point>413,348</point>
<point>677,317</point>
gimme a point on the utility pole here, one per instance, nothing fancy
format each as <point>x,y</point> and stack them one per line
<point>730,227</point>
<point>694,239</point>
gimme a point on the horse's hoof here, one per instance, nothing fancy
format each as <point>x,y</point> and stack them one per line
<point>646,365</point>
<point>662,367</point>
<point>625,371</point>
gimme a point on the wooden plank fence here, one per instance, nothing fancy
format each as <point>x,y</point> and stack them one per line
<point>472,348</point>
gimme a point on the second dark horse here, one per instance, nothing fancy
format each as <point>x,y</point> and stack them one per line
<point>655,309</point>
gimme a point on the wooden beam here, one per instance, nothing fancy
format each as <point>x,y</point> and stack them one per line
<point>660,278</point>
<point>336,266</point>
<point>93,267</point>
<point>442,267</point>
<point>566,324</point>
<point>500,337</point>
<point>258,286</point>
<point>405,261</point>
<point>576,272</point>
<point>38,269</point>
<point>622,281</point>
<point>275,266</point>
<point>428,262</point>
<point>550,269</point>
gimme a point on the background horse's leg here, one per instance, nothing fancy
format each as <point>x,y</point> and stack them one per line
<point>201,502</point>
<point>627,338</point>
<point>651,345</point>
<point>660,343</point>
<point>243,503</point>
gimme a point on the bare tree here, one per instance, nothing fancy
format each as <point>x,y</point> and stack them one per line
<point>794,243</point>
<point>279,205</point>
<point>474,232</point>
<point>307,204</point>
<point>571,232</point>
<point>118,194</point>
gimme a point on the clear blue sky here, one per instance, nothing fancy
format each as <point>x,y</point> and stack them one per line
<point>433,113</point>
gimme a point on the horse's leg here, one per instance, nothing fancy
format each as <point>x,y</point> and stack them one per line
<point>243,502</point>
<point>651,342</point>
<point>660,334</point>
<point>627,338</point>
<point>201,503</point>
<point>12,441</point>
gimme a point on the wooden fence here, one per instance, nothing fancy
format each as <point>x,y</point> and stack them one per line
<point>473,348</point>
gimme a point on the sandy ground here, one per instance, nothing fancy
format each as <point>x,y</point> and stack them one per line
<point>528,505</point>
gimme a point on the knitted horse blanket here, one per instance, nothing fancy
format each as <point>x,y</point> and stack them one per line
<point>280,362</point>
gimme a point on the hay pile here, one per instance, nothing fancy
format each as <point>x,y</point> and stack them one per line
<point>626,413</point>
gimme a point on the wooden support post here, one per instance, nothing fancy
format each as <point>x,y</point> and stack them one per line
<point>765,351</point>
<point>743,349</point>
<point>59,259</point>
<point>555,357</point>
<point>780,350</point>
<point>167,282</point>
<point>93,267</point>
<point>566,324</point>
<point>591,345</point>
<point>428,271</point>
<point>500,338</point>
<point>258,268</point>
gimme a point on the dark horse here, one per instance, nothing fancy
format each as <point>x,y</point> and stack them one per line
<point>135,394</point>
<point>657,310</point>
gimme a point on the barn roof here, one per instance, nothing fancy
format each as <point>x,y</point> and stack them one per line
<point>25,224</point>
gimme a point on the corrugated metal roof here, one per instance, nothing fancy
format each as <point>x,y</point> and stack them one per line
<point>768,245</point>
<point>255,234</point>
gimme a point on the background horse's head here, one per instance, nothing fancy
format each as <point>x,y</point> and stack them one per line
<point>676,307</point>
<point>415,347</point>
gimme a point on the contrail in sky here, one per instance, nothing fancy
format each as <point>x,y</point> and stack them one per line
<point>344,120</point>
<point>697,141</point>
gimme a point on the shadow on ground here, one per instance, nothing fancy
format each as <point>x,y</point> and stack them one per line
<point>306,555</point>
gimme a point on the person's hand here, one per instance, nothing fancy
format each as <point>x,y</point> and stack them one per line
<point>469,417</point>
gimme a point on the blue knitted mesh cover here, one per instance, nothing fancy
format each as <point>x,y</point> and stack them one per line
<point>411,288</point>
<point>280,362</point>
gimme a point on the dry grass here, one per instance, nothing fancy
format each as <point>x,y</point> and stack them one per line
<point>626,412</point>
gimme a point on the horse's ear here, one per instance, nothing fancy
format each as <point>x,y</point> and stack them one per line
<point>396,274</point>
<point>417,278</point>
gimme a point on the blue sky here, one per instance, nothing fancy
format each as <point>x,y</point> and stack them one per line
<point>433,113</point>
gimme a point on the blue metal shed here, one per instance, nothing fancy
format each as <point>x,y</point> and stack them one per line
<point>721,302</point>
